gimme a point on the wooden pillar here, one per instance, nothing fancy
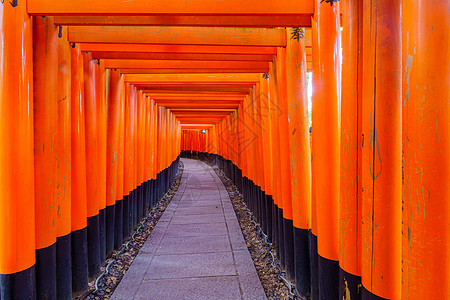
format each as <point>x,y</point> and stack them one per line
<point>350,205</point>
<point>79,203</point>
<point>277,212</point>
<point>64,185</point>
<point>381,189</point>
<point>112,152</point>
<point>300,155</point>
<point>17,223</point>
<point>326,129</point>
<point>46,155</point>
<point>92,166</point>
<point>285,165</point>
<point>426,149</point>
<point>101,109</point>
<point>316,94</point>
<point>120,186</point>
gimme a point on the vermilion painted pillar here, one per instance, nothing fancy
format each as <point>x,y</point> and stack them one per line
<point>277,210</point>
<point>266,150</point>
<point>350,205</point>
<point>100,87</point>
<point>148,151</point>
<point>326,129</point>
<point>79,203</point>
<point>112,153</point>
<point>46,154</point>
<point>128,158</point>
<point>93,229</point>
<point>17,218</point>
<point>285,166</point>
<point>120,187</point>
<point>64,186</point>
<point>316,94</point>
<point>381,189</point>
<point>300,155</point>
<point>426,149</point>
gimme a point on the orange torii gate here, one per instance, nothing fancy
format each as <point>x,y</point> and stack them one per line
<point>104,94</point>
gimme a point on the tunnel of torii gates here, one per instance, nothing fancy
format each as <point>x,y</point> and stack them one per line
<point>100,98</point>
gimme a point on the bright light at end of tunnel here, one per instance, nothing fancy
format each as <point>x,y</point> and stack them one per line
<point>342,28</point>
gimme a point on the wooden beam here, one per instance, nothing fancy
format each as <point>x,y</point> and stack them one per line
<point>192,78</point>
<point>184,71</point>
<point>174,7</point>
<point>182,56</point>
<point>163,93</point>
<point>231,36</point>
<point>164,48</point>
<point>252,66</point>
<point>303,20</point>
<point>197,97</point>
<point>194,88</point>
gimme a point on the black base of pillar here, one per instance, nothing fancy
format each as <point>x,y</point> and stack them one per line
<point>126,216</point>
<point>349,286</point>
<point>314,268</point>
<point>64,267</point>
<point>79,262</point>
<point>281,238</point>
<point>328,278</point>
<point>118,224</point>
<point>93,242</point>
<point>46,272</point>
<point>302,262</point>
<point>274,224</point>
<point>366,295</point>
<point>288,228</point>
<point>20,285</point>
<point>102,232</point>
<point>110,228</point>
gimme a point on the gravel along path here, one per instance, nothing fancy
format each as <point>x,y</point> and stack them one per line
<point>117,265</point>
<point>265,263</point>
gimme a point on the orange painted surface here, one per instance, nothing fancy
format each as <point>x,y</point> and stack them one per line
<point>194,78</point>
<point>113,132</point>
<point>183,56</point>
<point>326,128</point>
<point>285,163</point>
<point>148,139</point>
<point>382,149</point>
<point>350,205</point>
<point>266,135</point>
<point>46,130</point>
<point>251,66</point>
<point>134,136</point>
<point>188,71</point>
<point>78,141</point>
<point>275,123</point>
<point>230,36</point>
<point>120,189</point>
<point>426,149</point>
<point>299,142</point>
<point>316,83</point>
<point>208,21</point>
<point>100,87</point>
<point>63,218</point>
<point>17,220</point>
<point>178,7</point>
<point>141,137</point>
<point>92,162</point>
<point>167,48</point>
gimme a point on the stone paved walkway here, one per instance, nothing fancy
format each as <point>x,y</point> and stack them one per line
<point>196,251</point>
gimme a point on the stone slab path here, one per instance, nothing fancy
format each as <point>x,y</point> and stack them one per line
<point>196,251</point>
